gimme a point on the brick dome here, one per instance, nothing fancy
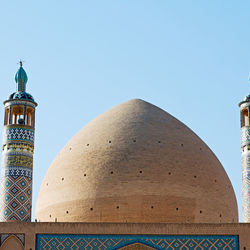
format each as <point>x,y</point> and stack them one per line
<point>136,163</point>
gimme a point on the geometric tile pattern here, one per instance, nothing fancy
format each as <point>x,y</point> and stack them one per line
<point>101,242</point>
<point>245,135</point>
<point>20,133</point>
<point>20,237</point>
<point>16,198</point>
<point>16,173</point>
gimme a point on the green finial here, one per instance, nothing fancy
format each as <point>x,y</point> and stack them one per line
<point>21,78</point>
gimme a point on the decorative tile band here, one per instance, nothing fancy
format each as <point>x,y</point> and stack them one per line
<point>17,171</point>
<point>17,160</point>
<point>245,135</point>
<point>102,242</point>
<point>18,134</point>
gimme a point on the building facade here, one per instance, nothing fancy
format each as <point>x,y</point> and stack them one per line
<point>133,178</point>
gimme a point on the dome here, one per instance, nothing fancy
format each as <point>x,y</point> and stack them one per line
<point>136,163</point>
<point>21,96</point>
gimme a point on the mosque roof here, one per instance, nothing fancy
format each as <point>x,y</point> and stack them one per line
<point>136,163</point>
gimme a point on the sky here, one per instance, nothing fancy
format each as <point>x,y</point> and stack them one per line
<point>189,57</point>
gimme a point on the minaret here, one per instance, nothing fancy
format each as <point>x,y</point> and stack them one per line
<point>245,156</point>
<point>17,153</point>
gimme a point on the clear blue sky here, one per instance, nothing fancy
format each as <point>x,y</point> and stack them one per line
<point>191,58</point>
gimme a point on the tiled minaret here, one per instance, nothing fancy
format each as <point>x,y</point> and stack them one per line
<point>17,153</point>
<point>245,156</point>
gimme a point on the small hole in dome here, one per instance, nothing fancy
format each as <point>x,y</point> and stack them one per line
<point>220,215</point>
<point>177,209</point>
<point>244,248</point>
<point>182,145</point>
<point>140,171</point>
<point>47,184</point>
<point>169,173</point>
<point>152,207</point>
<point>117,207</point>
<point>215,180</point>
<point>200,211</point>
<point>134,140</point>
<point>195,176</point>
<point>50,215</point>
<point>62,178</point>
<point>200,149</point>
<point>67,212</point>
<point>111,172</point>
<point>159,141</point>
<point>70,148</point>
<point>109,141</point>
<point>87,144</point>
<point>84,174</point>
<point>91,208</point>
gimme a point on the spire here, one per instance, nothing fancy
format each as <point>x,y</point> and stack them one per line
<point>21,78</point>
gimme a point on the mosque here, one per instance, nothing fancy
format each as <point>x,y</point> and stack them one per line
<point>133,178</point>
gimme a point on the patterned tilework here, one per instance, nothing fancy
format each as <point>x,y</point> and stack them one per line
<point>245,135</point>
<point>20,133</point>
<point>102,242</point>
<point>20,237</point>
<point>246,186</point>
<point>16,198</point>
<point>17,167</point>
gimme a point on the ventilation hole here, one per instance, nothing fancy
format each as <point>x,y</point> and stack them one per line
<point>117,207</point>
<point>200,211</point>
<point>169,173</point>
<point>220,215</point>
<point>182,145</point>
<point>50,215</point>
<point>159,141</point>
<point>177,209</point>
<point>152,207</point>
<point>47,184</point>
<point>109,141</point>
<point>215,180</point>
<point>134,140</point>
<point>140,172</point>
<point>85,175</point>
<point>87,144</point>
<point>111,172</point>
<point>70,148</point>
<point>91,208</point>
<point>200,149</point>
<point>67,212</point>
<point>195,176</point>
<point>244,248</point>
<point>62,179</point>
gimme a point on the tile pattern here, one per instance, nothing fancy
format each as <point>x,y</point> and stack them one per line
<point>17,167</point>
<point>101,242</point>
<point>20,133</point>
<point>245,135</point>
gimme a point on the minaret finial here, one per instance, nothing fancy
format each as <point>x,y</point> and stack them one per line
<point>21,63</point>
